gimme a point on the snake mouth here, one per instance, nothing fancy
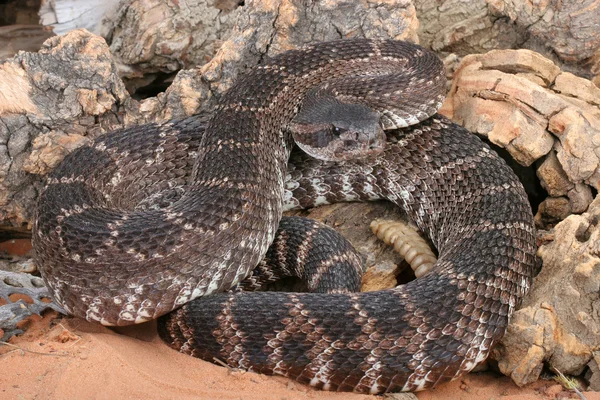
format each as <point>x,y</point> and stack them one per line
<point>358,148</point>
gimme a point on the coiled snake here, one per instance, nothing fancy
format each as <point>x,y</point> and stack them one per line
<point>110,252</point>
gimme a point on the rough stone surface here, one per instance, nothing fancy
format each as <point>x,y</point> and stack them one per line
<point>545,118</point>
<point>165,36</point>
<point>553,177</point>
<point>559,322</point>
<point>70,87</point>
<point>565,31</point>
<point>593,374</point>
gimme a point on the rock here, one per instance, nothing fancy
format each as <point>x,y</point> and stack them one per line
<point>562,31</point>
<point>506,108</point>
<point>552,210</point>
<point>552,176</point>
<point>580,198</point>
<point>574,86</point>
<point>522,102</point>
<point>380,276</point>
<point>464,27</point>
<point>158,36</point>
<point>558,323</point>
<point>70,87</point>
<point>50,149</point>
<point>593,374</point>
<point>579,136</point>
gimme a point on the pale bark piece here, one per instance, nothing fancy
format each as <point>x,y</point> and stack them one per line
<point>558,322</point>
<point>67,15</point>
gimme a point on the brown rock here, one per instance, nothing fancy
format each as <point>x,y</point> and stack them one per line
<point>522,102</point>
<point>158,36</point>
<point>463,27</point>
<point>552,210</point>
<point>14,97</point>
<point>506,108</point>
<point>561,31</point>
<point>552,176</point>
<point>380,276</point>
<point>558,323</point>
<point>571,85</point>
<point>593,374</point>
<point>521,61</point>
<point>70,86</point>
<point>580,198</point>
<point>579,138</point>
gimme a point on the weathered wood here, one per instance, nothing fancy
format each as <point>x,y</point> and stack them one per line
<point>14,38</point>
<point>67,15</point>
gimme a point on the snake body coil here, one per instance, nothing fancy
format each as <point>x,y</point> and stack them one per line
<point>110,252</point>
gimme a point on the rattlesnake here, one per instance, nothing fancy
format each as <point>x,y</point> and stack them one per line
<point>149,218</point>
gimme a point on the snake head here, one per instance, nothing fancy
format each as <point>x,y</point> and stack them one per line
<point>330,130</point>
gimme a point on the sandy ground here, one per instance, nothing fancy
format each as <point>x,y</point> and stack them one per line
<point>69,358</point>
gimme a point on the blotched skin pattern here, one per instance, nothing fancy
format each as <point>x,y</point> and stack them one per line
<point>436,328</point>
<point>149,218</point>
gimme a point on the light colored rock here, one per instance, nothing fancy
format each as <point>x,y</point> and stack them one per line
<point>565,32</point>
<point>579,139</point>
<point>70,86</point>
<point>380,276</point>
<point>593,374</point>
<point>50,149</point>
<point>552,176</point>
<point>159,36</point>
<point>575,86</point>
<point>522,102</point>
<point>552,210</point>
<point>463,26</point>
<point>568,28</point>
<point>521,61</point>
<point>580,198</point>
<point>506,108</point>
<point>558,323</point>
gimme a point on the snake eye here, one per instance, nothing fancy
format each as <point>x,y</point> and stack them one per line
<point>338,131</point>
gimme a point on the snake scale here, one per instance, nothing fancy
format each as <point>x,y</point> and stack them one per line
<point>110,252</point>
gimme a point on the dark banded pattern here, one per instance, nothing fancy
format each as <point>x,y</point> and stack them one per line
<point>436,328</point>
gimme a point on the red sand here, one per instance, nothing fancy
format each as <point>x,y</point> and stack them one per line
<point>94,362</point>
